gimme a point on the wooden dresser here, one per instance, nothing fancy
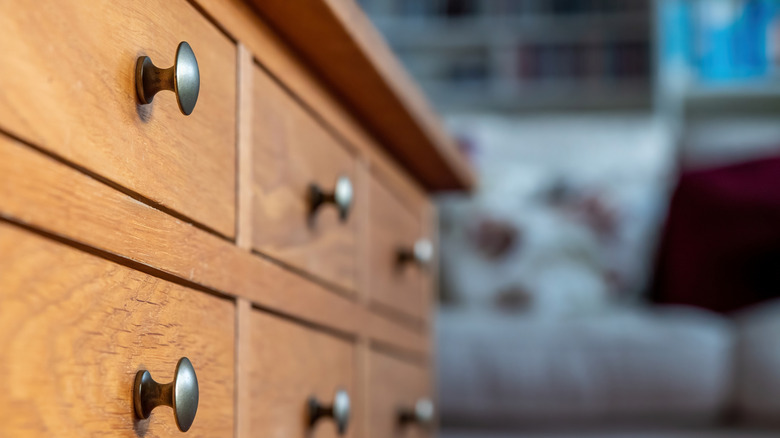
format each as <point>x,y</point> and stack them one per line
<point>264,265</point>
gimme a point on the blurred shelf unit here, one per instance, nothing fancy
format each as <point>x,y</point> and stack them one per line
<point>523,54</point>
<point>718,56</point>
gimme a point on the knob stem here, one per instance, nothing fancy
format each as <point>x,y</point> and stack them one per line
<point>318,197</point>
<point>151,394</point>
<point>152,79</point>
<point>317,410</point>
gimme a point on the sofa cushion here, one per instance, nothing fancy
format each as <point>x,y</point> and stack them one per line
<point>673,364</point>
<point>758,363</point>
<point>720,247</point>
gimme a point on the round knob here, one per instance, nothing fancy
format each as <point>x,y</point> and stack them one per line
<point>339,410</point>
<point>181,394</point>
<point>422,413</point>
<point>341,197</point>
<point>183,79</point>
<point>420,253</point>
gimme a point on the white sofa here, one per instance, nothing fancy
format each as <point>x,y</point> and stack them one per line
<point>665,372</point>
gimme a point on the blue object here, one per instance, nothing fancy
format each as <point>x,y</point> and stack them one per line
<point>720,40</point>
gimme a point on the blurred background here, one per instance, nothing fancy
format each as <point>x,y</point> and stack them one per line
<point>616,271</point>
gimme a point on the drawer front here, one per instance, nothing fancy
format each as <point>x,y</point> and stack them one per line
<point>393,228</point>
<point>291,363</point>
<point>291,151</point>
<point>68,80</point>
<point>395,386</point>
<point>74,331</point>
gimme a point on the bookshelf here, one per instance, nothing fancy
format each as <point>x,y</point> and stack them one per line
<point>515,55</point>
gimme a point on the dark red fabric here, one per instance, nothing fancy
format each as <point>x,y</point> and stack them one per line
<point>720,248</point>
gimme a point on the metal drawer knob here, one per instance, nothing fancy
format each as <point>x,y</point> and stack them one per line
<point>339,410</point>
<point>341,197</point>
<point>422,414</point>
<point>421,253</point>
<point>181,394</point>
<point>183,79</point>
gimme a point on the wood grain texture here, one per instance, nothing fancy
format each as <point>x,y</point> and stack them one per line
<point>69,86</point>
<point>395,384</point>
<point>363,393</point>
<point>244,148</point>
<point>291,151</point>
<point>430,224</point>
<point>75,329</point>
<point>42,193</point>
<point>243,368</point>
<point>385,331</point>
<point>340,43</point>
<point>392,226</point>
<point>363,244</point>
<point>290,363</point>
<point>240,21</point>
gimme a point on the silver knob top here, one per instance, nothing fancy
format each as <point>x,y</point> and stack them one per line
<point>185,394</point>
<point>186,78</point>
<point>424,411</point>
<point>423,251</point>
<point>341,410</point>
<point>342,196</point>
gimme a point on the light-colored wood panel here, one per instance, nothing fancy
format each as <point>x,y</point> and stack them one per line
<point>361,398</point>
<point>430,224</point>
<point>393,227</point>
<point>244,147</point>
<point>363,192</point>
<point>69,86</point>
<point>291,151</point>
<point>340,43</point>
<point>290,363</point>
<point>240,21</point>
<point>75,329</point>
<point>45,194</point>
<point>395,384</point>
<point>243,368</point>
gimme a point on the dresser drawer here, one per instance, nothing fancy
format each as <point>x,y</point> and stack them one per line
<point>396,388</point>
<point>289,365</point>
<point>74,331</point>
<point>291,151</point>
<point>68,78</point>
<point>396,280</point>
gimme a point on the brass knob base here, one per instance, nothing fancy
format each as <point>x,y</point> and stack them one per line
<point>150,80</point>
<point>148,394</point>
